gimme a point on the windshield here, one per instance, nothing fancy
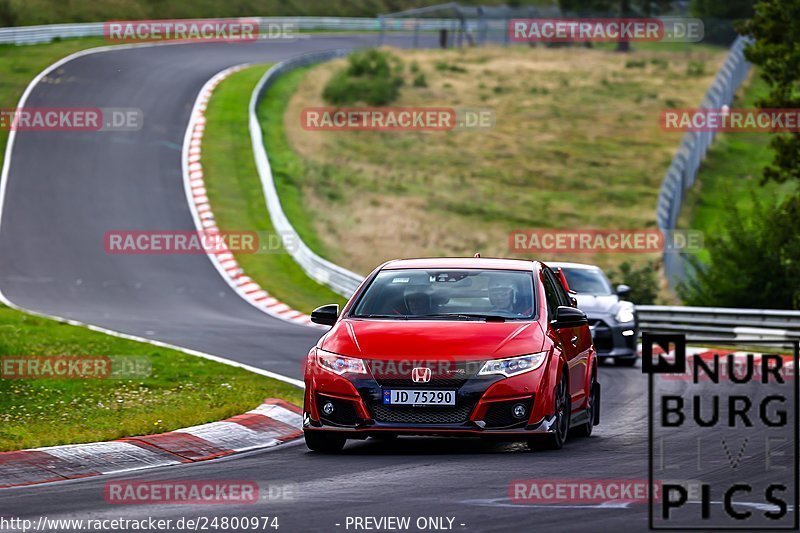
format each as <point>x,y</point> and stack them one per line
<point>457,294</point>
<point>588,281</point>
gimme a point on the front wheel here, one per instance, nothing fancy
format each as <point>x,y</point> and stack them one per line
<point>317,441</point>
<point>563,412</point>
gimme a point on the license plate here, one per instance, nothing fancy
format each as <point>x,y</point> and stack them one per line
<point>419,397</point>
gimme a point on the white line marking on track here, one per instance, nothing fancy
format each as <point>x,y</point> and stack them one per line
<point>4,183</point>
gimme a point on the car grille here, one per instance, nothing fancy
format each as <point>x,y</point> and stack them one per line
<point>444,375</point>
<point>438,383</point>
<point>602,337</point>
<point>420,415</point>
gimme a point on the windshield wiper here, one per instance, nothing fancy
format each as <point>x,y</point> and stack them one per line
<point>467,316</point>
<point>376,315</point>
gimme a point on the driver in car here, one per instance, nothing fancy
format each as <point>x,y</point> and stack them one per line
<point>503,297</point>
<point>418,303</point>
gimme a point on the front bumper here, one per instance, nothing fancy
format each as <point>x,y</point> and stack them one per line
<point>483,407</point>
<point>471,430</point>
<point>612,339</point>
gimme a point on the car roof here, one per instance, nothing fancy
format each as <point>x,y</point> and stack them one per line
<point>557,264</point>
<point>462,262</point>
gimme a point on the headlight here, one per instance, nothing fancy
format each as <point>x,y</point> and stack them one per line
<point>340,364</point>
<point>513,365</point>
<point>625,314</point>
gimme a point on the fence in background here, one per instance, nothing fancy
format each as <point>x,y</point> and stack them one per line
<point>682,171</point>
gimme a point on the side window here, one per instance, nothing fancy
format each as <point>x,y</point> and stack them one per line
<point>563,297</point>
<point>551,295</point>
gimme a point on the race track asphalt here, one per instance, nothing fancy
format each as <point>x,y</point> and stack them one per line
<point>65,190</point>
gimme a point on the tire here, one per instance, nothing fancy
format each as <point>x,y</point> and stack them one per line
<point>626,361</point>
<point>317,441</point>
<point>563,411</point>
<point>585,430</point>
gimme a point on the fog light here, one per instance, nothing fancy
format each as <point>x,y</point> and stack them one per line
<point>627,333</point>
<point>327,408</point>
<point>519,411</point>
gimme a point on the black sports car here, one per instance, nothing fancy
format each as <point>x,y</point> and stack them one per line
<point>612,319</point>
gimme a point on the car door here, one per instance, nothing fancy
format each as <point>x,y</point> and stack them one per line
<point>573,340</point>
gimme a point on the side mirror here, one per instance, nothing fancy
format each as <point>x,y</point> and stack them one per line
<point>623,291</point>
<point>569,317</point>
<point>325,315</point>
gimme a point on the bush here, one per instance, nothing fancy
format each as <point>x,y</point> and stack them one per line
<point>754,260</point>
<point>643,281</point>
<point>371,76</point>
<point>420,80</point>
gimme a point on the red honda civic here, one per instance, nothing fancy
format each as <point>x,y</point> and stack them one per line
<point>456,347</point>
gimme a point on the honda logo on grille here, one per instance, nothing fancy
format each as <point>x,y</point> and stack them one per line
<point>421,374</point>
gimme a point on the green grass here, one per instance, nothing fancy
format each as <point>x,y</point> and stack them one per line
<point>237,198</point>
<point>731,174</point>
<point>181,390</point>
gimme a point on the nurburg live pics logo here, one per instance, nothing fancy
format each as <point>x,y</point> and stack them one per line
<point>727,440</point>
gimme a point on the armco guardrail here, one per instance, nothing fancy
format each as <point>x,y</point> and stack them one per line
<point>682,171</point>
<point>700,323</point>
<point>46,34</point>
<point>339,279</point>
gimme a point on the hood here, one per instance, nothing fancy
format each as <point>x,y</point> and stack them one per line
<point>433,339</point>
<point>597,304</point>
